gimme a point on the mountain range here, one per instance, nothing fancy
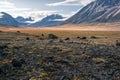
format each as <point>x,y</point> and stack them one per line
<point>98,11</point>
<point>51,20</point>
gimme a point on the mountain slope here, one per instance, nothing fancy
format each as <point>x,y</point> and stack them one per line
<point>20,19</point>
<point>97,11</point>
<point>7,19</point>
<point>51,20</point>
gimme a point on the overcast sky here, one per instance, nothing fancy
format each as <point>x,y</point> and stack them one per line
<point>41,8</point>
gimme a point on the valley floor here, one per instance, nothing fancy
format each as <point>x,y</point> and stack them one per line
<point>59,54</point>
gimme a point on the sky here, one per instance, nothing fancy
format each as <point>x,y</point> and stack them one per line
<point>41,8</point>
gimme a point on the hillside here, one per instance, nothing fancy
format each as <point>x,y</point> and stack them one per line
<point>98,11</point>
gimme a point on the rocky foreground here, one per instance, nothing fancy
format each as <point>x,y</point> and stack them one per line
<point>48,57</point>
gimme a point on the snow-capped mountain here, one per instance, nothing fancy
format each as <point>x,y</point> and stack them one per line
<point>51,20</point>
<point>97,11</point>
<point>21,19</point>
<point>7,19</point>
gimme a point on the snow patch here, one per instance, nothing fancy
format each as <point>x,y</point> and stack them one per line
<point>1,15</point>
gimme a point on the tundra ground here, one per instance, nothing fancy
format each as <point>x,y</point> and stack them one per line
<point>43,54</point>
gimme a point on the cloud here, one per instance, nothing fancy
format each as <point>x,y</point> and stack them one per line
<point>9,7</point>
<point>38,14</point>
<point>70,3</point>
<point>6,4</point>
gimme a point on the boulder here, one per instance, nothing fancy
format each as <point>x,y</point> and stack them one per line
<point>67,38</point>
<point>52,36</point>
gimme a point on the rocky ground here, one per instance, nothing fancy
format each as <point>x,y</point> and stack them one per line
<point>50,57</point>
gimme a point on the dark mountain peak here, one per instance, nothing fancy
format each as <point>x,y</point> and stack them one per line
<point>5,14</point>
<point>53,16</point>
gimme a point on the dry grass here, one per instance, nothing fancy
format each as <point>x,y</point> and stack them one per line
<point>62,32</point>
<point>99,60</point>
<point>48,60</point>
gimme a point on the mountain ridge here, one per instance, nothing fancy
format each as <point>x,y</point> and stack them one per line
<point>100,11</point>
<point>51,20</point>
<point>7,19</point>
